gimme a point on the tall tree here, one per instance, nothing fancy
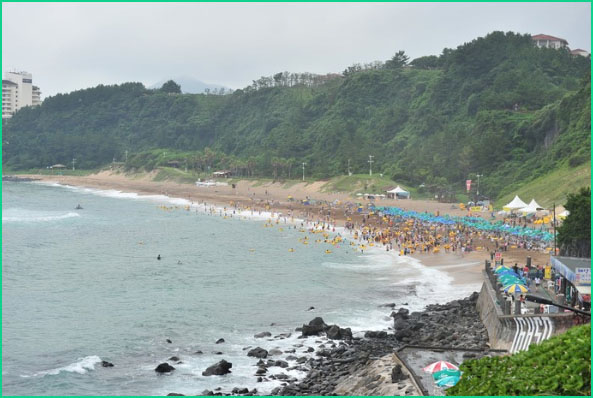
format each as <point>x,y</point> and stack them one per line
<point>574,235</point>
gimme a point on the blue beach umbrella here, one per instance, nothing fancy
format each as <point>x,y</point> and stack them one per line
<point>516,288</point>
<point>445,373</point>
<point>448,381</point>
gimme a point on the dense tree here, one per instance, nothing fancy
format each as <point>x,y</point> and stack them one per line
<point>574,235</point>
<point>171,87</point>
<point>399,60</point>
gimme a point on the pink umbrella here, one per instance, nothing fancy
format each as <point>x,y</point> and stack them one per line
<point>438,366</point>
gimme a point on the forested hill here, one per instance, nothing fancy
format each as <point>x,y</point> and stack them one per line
<point>497,106</point>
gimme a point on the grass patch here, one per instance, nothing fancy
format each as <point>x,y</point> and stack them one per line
<point>173,174</point>
<point>51,172</point>
<point>360,183</point>
<point>552,187</point>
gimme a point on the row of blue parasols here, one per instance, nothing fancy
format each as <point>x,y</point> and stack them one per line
<point>472,222</point>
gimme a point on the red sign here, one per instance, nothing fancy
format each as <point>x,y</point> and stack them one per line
<point>497,256</point>
<point>468,185</point>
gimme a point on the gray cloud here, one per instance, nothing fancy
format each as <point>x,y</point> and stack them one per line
<point>68,46</point>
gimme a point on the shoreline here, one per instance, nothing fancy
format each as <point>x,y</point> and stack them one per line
<point>464,269</point>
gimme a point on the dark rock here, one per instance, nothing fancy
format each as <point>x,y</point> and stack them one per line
<point>174,359</point>
<point>169,341</point>
<point>198,352</point>
<point>290,351</point>
<point>207,392</point>
<point>275,351</point>
<point>175,394</point>
<point>311,308</point>
<point>388,305</point>
<point>219,341</point>
<point>474,296</point>
<point>302,360</point>
<point>106,364</point>
<point>262,335</point>
<point>261,371</point>
<point>312,330</point>
<point>336,333</point>
<point>238,390</point>
<point>397,374</point>
<point>400,323</point>
<point>259,379</point>
<point>217,352</point>
<point>164,368</point>
<point>218,369</point>
<point>310,349</point>
<point>291,358</point>
<point>258,353</point>
<point>375,335</point>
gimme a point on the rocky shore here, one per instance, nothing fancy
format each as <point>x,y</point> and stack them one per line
<point>344,365</point>
<point>455,324</point>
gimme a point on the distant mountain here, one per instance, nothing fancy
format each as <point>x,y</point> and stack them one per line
<point>189,85</point>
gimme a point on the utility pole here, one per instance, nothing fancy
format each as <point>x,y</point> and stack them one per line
<point>73,161</point>
<point>371,164</point>
<point>126,156</point>
<point>304,170</point>
<point>478,190</point>
<point>554,221</point>
<point>349,172</point>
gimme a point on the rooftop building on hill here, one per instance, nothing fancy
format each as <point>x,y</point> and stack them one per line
<point>580,52</point>
<point>548,41</point>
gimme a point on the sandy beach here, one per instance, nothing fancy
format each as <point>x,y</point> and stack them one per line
<point>464,269</point>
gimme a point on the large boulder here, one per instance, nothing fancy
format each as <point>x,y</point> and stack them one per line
<point>258,352</point>
<point>164,368</point>
<point>397,374</point>
<point>314,328</point>
<point>335,332</point>
<point>262,335</point>
<point>218,369</point>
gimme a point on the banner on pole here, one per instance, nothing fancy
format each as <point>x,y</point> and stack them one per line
<point>468,185</point>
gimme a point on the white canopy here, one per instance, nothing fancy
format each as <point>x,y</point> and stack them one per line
<point>515,204</point>
<point>397,190</point>
<point>532,207</point>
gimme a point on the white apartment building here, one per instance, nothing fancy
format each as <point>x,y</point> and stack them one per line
<point>17,92</point>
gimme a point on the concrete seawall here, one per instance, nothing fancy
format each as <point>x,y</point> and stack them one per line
<point>517,332</point>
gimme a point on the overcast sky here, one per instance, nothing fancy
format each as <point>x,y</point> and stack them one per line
<point>72,46</point>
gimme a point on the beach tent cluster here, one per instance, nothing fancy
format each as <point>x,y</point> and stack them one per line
<point>517,205</point>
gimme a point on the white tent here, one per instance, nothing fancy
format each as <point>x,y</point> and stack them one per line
<point>532,207</point>
<point>398,192</point>
<point>515,204</point>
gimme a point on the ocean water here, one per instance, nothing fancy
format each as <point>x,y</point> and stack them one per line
<point>82,286</point>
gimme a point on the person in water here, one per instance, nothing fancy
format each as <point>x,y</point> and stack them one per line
<point>158,257</point>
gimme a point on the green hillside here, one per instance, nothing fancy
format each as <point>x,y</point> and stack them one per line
<point>497,106</point>
<point>552,187</point>
<point>559,366</point>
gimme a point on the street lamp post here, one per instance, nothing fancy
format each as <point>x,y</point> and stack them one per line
<point>371,164</point>
<point>304,170</point>
<point>478,190</point>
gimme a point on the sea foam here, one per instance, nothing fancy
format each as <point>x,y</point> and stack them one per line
<point>16,215</point>
<point>82,366</point>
